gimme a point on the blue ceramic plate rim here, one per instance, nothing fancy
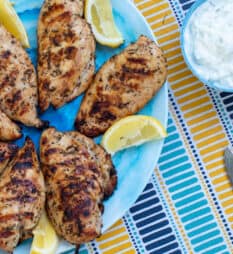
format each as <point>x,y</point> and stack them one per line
<point>189,14</point>
<point>158,107</point>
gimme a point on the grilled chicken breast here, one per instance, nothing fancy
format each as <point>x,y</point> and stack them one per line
<point>122,86</point>
<point>78,175</point>
<point>8,129</point>
<point>7,151</point>
<point>66,52</point>
<point>22,197</point>
<point>18,86</point>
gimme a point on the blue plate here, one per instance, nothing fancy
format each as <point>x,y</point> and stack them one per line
<point>209,83</point>
<point>134,166</point>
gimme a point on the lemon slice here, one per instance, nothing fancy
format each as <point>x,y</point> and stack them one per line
<point>11,21</point>
<point>45,240</point>
<point>132,131</point>
<point>99,14</point>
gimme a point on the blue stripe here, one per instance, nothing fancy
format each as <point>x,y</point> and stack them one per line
<point>157,234</point>
<point>174,162</point>
<point>147,212</point>
<point>205,236</point>
<point>183,184</point>
<point>146,195</point>
<point>185,201</point>
<point>153,227</point>
<point>177,170</point>
<point>171,155</point>
<point>195,214</point>
<point>199,222</point>
<point>179,177</point>
<point>202,229</point>
<point>193,206</point>
<point>208,244</point>
<point>160,242</point>
<point>144,204</point>
<point>186,192</point>
<point>151,219</point>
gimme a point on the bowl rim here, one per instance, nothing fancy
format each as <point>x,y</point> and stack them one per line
<point>188,15</point>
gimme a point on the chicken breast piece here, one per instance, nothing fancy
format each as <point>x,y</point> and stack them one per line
<point>7,151</point>
<point>66,52</point>
<point>18,86</point>
<point>22,197</point>
<point>79,174</point>
<point>8,129</point>
<point>122,86</point>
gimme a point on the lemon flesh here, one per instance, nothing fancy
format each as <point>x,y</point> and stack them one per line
<point>45,240</point>
<point>10,20</point>
<point>99,14</point>
<point>132,131</point>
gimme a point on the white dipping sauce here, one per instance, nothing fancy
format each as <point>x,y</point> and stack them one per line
<point>208,42</point>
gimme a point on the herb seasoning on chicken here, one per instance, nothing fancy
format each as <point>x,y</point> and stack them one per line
<point>18,86</point>
<point>122,86</point>
<point>66,48</point>
<point>79,174</point>
<point>22,196</point>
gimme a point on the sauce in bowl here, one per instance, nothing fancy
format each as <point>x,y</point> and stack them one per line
<point>208,42</point>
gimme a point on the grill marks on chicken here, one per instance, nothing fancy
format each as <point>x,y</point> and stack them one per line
<point>18,86</point>
<point>66,49</point>
<point>122,86</point>
<point>7,151</point>
<point>8,129</point>
<point>79,174</point>
<point>22,196</point>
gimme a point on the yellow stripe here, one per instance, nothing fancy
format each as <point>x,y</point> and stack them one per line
<point>228,202</point>
<point>111,234</point>
<point>217,172</point>
<point>229,210</point>
<point>207,132</point>
<point>199,119</point>
<point>166,30</point>
<point>214,147</point>
<point>162,22</point>
<point>118,248</point>
<point>179,75</point>
<point>192,96</point>
<point>213,156</point>
<point>174,60</point>
<point>191,88</point>
<point>158,16</point>
<point>205,126</point>
<point>211,139</point>
<point>221,179</point>
<point>173,44</point>
<point>195,103</point>
<point>114,241</point>
<point>226,194</point>
<point>172,53</point>
<point>184,82</point>
<point>155,9</point>
<point>198,111</point>
<point>168,37</point>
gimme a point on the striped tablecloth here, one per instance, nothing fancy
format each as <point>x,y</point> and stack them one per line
<point>187,206</point>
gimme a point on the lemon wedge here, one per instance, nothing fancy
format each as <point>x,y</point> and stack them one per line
<point>45,240</point>
<point>98,14</point>
<point>132,131</point>
<point>11,21</point>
